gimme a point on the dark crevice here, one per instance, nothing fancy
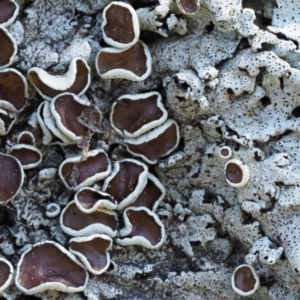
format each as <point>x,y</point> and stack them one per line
<point>143,3</point>
<point>149,37</point>
<point>247,218</point>
<point>244,44</point>
<point>180,99</point>
<point>281,36</point>
<point>296,112</point>
<point>281,83</point>
<point>260,76</point>
<point>209,28</point>
<point>267,281</point>
<point>269,206</point>
<point>231,132</point>
<point>265,101</point>
<point>209,197</point>
<point>279,136</point>
<point>230,92</point>
<point>180,84</point>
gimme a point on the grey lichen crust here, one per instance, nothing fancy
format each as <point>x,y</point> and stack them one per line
<point>229,75</point>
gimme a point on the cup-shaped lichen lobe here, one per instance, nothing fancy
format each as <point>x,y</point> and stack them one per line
<point>26,137</point>
<point>156,143</point>
<point>76,80</point>
<point>47,264</point>
<point>188,7</point>
<point>151,193</point>
<point>69,110</point>
<point>224,152</point>
<point>125,180</point>
<point>244,279</point>
<point>237,173</point>
<point>234,173</point>
<point>119,24</point>
<point>88,197</point>
<point>93,250</point>
<point>133,60</point>
<point>26,154</point>
<point>76,220</point>
<point>13,88</point>
<point>5,272</point>
<point>131,115</point>
<point>144,225</point>
<point>11,178</point>
<point>7,11</point>
<point>75,173</point>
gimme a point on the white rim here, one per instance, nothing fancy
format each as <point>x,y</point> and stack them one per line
<point>14,45</point>
<point>122,73</point>
<point>83,258</point>
<point>101,203</point>
<point>29,147</point>
<point>256,286</point>
<point>71,135</point>
<point>9,278</point>
<point>90,180</point>
<point>90,229</point>
<point>6,104</point>
<point>52,214</point>
<point>142,180</point>
<point>3,129</point>
<point>139,240</point>
<point>60,83</point>
<point>12,19</point>
<point>135,23</point>
<point>150,136</point>
<point>147,126</point>
<point>51,285</point>
<point>245,170</point>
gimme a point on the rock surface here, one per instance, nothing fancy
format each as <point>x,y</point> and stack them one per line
<point>229,76</point>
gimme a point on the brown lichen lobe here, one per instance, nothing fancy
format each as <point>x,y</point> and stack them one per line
<point>224,152</point>
<point>4,272</point>
<point>26,156</point>
<point>94,251</point>
<point>79,84</point>
<point>133,60</point>
<point>149,195</point>
<point>11,177</point>
<point>7,48</point>
<point>119,26</point>
<point>77,220</point>
<point>7,10</point>
<point>12,88</point>
<point>158,146</point>
<point>144,225</point>
<point>189,6</point>
<point>131,115</point>
<point>234,173</point>
<point>244,279</point>
<point>46,263</point>
<point>125,181</point>
<point>69,110</point>
<point>81,171</point>
<point>88,198</point>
